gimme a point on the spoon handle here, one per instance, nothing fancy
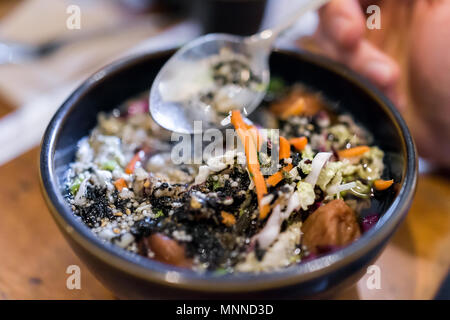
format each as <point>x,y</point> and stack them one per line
<point>268,36</point>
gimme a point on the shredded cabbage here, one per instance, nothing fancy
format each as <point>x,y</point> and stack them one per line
<point>317,164</point>
<point>307,153</point>
<point>348,169</point>
<point>305,167</point>
<point>374,166</point>
<point>340,188</point>
<point>341,133</point>
<point>306,194</point>
<point>329,171</point>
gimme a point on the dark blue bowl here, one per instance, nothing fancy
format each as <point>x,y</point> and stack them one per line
<point>132,276</point>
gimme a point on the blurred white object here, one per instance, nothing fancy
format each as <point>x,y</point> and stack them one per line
<point>39,87</point>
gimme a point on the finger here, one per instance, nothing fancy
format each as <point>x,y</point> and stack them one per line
<point>374,64</point>
<point>323,45</point>
<point>378,67</point>
<point>343,22</point>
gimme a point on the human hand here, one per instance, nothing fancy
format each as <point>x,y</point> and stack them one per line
<point>340,36</point>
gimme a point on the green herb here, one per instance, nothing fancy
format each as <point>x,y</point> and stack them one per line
<point>109,165</point>
<point>259,87</point>
<point>159,213</point>
<point>294,258</point>
<point>75,186</point>
<point>216,185</point>
<point>220,272</point>
<point>276,84</point>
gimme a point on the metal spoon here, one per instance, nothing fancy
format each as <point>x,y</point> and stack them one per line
<point>183,74</point>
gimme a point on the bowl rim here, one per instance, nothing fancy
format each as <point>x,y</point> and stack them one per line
<point>171,276</point>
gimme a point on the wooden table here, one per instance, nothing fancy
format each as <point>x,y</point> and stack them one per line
<point>34,256</point>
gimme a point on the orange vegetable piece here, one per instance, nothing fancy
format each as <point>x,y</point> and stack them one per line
<point>298,102</point>
<point>313,104</point>
<point>252,160</point>
<point>381,184</point>
<point>285,148</point>
<point>120,184</point>
<point>237,121</point>
<point>129,169</point>
<point>294,109</point>
<point>274,179</point>
<point>228,219</point>
<point>353,152</point>
<point>299,143</point>
<point>256,136</point>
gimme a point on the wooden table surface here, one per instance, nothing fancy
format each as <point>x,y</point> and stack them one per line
<point>34,256</point>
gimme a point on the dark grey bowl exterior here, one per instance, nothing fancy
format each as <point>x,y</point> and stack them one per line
<point>132,276</point>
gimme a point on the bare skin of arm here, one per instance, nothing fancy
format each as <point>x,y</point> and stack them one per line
<point>416,77</point>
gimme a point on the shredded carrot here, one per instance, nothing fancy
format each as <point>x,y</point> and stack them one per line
<point>256,136</point>
<point>353,152</point>
<point>120,184</point>
<point>228,219</point>
<point>274,179</point>
<point>299,143</point>
<point>381,184</point>
<point>129,169</point>
<point>285,148</point>
<point>252,160</point>
<point>294,109</point>
<point>237,121</point>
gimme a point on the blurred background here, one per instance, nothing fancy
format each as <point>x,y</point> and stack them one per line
<point>42,60</point>
<point>44,56</point>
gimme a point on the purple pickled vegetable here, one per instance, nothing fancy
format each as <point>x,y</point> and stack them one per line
<point>369,221</point>
<point>316,205</point>
<point>327,249</point>
<point>309,257</point>
<point>137,107</point>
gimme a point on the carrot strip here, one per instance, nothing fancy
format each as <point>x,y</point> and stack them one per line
<point>129,169</point>
<point>252,160</point>
<point>120,184</point>
<point>381,184</point>
<point>228,219</point>
<point>353,152</point>
<point>274,179</point>
<point>294,109</point>
<point>256,136</point>
<point>285,148</point>
<point>299,143</point>
<point>237,121</point>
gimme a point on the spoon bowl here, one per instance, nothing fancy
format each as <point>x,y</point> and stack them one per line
<point>188,72</point>
<point>175,103</point>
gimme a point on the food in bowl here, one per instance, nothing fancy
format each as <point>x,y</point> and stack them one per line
<point>218,83</point>
<point>239,211</point>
